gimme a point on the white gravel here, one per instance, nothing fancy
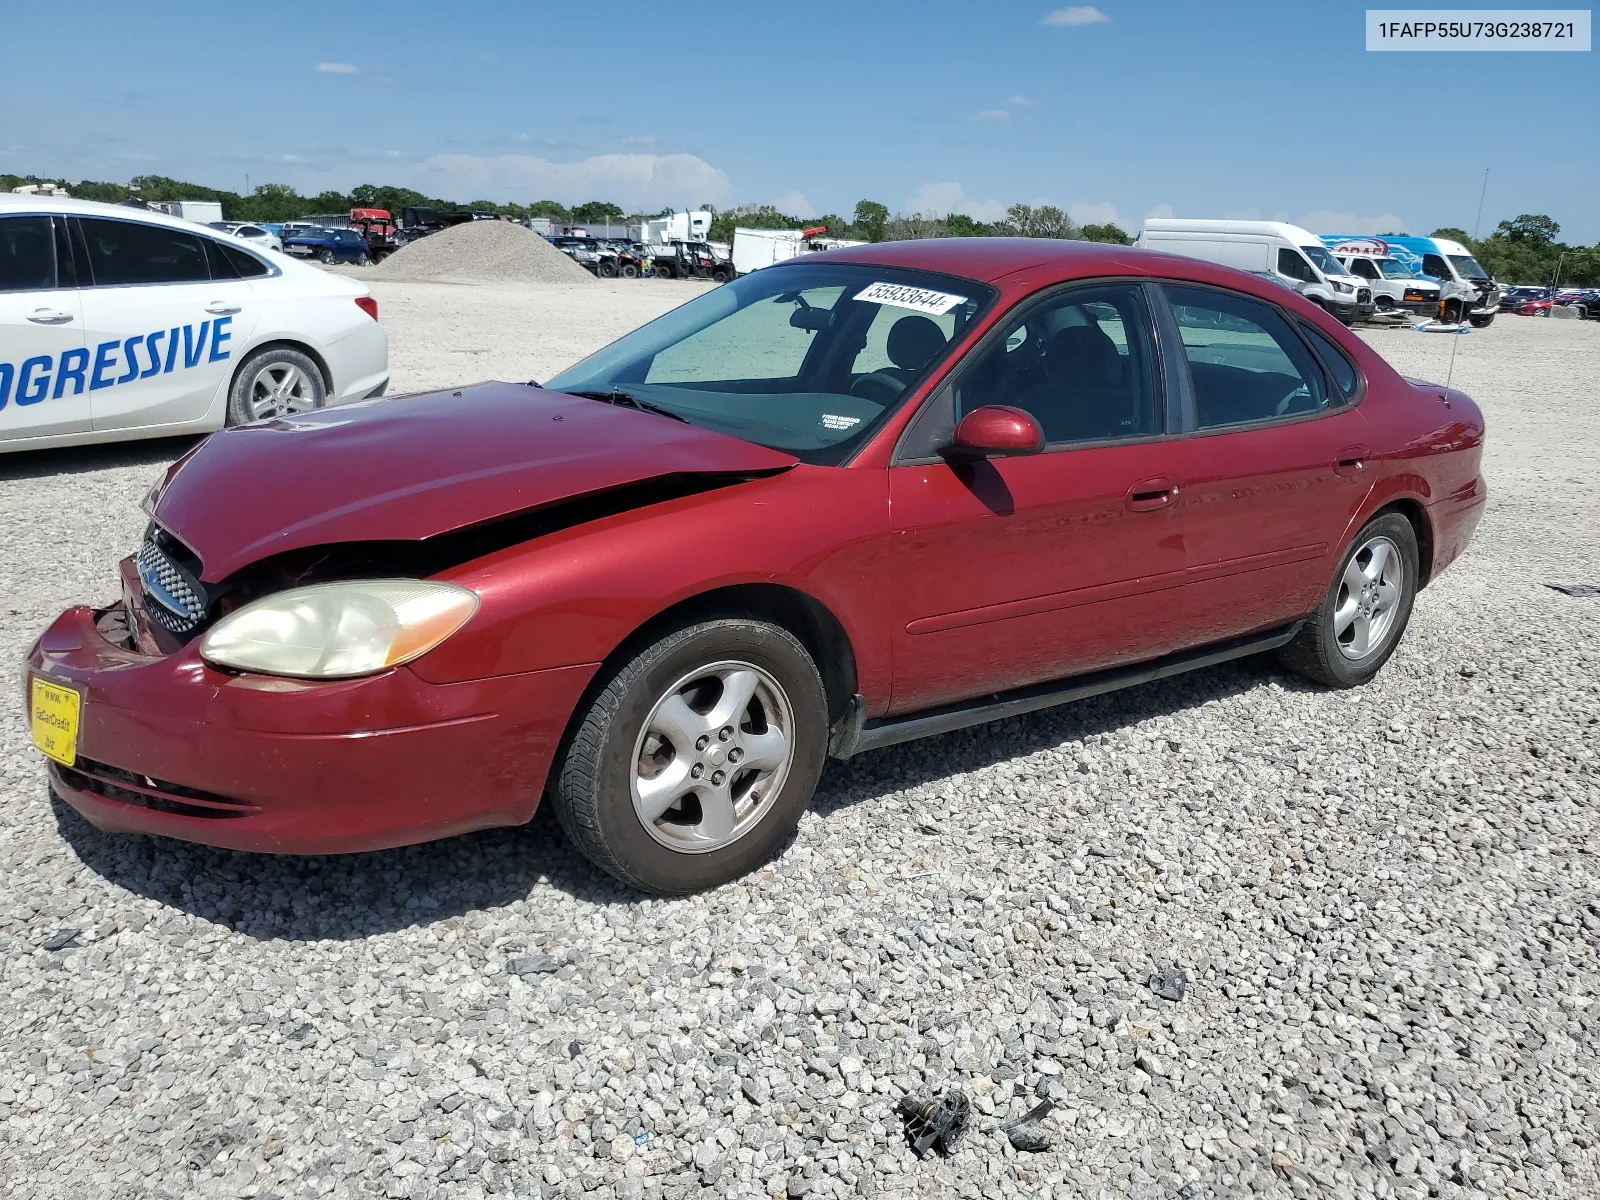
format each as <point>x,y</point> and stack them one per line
<point>1386,903</point>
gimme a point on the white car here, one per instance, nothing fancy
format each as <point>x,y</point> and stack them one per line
<point>264,239</point>
<point>117,323</point>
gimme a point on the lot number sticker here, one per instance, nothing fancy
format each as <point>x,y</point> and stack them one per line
<point>914,298</point>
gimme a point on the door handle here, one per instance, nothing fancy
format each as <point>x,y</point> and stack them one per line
<point>49,316</point>
<point>1352,460</point>
<point>221,308</point>
<point>1150,494</point>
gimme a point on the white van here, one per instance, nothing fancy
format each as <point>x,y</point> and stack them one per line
<point>1266,247</point>
<point>1468,291</point>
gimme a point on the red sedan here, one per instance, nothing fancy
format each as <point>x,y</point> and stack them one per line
<point>842,502</point>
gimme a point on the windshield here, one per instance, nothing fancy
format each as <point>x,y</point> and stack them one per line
<point>805,358</point>
<point>1468,267</point>
<point>1326,263</point>
<point>1393,268</point>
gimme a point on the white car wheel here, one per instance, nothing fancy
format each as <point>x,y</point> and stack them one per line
<point>275,383</point>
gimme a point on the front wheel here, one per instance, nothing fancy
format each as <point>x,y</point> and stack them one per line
<point>694,761</point>
<point>663,272</point>
<point>1483,320</point>
<point>1366,609</point>
<point>327,258</point>
<point>1453,313</point>
<point>628,271</point>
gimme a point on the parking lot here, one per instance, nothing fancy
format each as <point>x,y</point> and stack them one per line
<point>1386,903</point>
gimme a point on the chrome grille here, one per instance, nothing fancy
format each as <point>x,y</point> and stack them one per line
<point>175,599</point>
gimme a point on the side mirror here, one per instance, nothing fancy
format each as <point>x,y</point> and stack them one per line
<point>996,431</point>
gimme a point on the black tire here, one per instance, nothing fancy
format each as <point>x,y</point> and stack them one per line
<point>240,410</point>
<point>1315,652</point>
<point>592,790</point>
<point>628,271</point>
<point>1483,321</point>
<point>1453,312</point>
<point>606,270</point>
<point>326,258</point>
<point>663,272</point>
<point>719,276</point>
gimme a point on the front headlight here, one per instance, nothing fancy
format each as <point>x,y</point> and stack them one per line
<point>1342,287</point>
<point>339,630</point>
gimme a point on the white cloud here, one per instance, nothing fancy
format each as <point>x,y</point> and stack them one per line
<point>992,114</point>
<point>1321,220</point>
<point>1096,214</point>
<point>336,68</point>
<point>1078,14</point>
<point>1022,102</point>
<point>795,204</point>
<point>1160,210</point>
<point>943,198</point>
<point>293,160</point>
<point>641,139</point>
<point>394,153</point>
<point>635,181</point>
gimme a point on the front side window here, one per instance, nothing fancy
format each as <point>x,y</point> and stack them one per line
<point>1433,264</point>
<point>1294,265</point>
<point>1468,266</point>
<point>1081,363</point>
<point>132,252</point>
<point>802,357</point>
<point>27,254</point>
<point>1326,263</point>
<point>1364,268</point>
<point>1246,362</point>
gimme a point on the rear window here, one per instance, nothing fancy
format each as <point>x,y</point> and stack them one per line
<point>131,252</point>
<point>27,254</point>
<point>230,262</point>
<point>1340,369</point>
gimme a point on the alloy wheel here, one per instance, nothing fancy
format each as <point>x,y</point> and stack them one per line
<point>1370,592</point>
<point>280,389</point>
<point>713,754</point>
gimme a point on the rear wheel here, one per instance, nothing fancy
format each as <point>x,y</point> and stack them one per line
<point>606,270</point>
<point>277,382</point>
<point>628,271</point>
<point>694,761</point>
<point>326,258</point>
<point>663,271</point>
<point>719,276</point>
<point>1366,609</point>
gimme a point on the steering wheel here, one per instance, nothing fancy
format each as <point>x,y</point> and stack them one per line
<point>880,387</point>
<point>1287,403</point>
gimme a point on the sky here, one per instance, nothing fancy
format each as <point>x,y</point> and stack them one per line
<point>1114,111</point>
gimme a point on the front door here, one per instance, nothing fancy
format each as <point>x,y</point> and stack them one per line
<point>1015,571</point>
<point>161,331</point>
<point>42,359</point>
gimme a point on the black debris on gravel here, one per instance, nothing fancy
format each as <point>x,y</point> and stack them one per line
<point>1575,589</point>
<point>1027,1132</point>
<point>1170,983</point>
<point>60,939</point>
<point>937,1123</point>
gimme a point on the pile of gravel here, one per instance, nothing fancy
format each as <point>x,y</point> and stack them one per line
<point>483,252</point>
<point>1248,935</point>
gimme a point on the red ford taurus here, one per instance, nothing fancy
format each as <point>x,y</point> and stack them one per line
<point>842,502</point>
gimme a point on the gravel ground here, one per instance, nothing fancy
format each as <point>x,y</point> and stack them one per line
<point>1384,902</point>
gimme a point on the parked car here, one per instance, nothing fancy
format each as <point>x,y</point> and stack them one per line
<point>1527,301</point>
<point>852,499</point>
<point>329,246</point>
<point>1396,290</point>
<point>157,327</point>
<point>258,234</point>
<point>1468,292</point>
<point>690,260</point>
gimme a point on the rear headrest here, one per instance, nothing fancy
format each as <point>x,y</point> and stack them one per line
<point>1085,355</point>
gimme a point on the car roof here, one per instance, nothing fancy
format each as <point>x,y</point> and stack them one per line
<point>991,259</point>
<point>68,206</point>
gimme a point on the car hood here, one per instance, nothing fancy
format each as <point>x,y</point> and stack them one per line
<point>413,467</point>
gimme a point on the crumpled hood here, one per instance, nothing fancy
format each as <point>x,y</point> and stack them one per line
<point>413,467</point>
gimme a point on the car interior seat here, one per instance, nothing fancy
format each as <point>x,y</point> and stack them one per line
<point>913,342</point>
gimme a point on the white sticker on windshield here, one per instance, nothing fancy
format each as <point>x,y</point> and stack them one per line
<point>917,299</point>
<point>831,421</point>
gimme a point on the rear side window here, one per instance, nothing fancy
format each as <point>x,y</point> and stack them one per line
<point>230,262</point>
<point>1246,361</point>
<point>1340,369</point>
<point>27,254</point>
<point>132,252</point>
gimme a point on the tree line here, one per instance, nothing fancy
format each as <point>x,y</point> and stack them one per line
<point>1525,250</point>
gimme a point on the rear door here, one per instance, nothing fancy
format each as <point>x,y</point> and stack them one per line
<point>163,321</point>
<point>42,359</point>
<point>1276,466</point>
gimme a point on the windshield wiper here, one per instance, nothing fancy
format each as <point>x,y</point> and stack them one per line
<point>623,399</point>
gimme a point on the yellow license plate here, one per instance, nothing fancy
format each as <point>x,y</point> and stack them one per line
<point>55,721</point>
